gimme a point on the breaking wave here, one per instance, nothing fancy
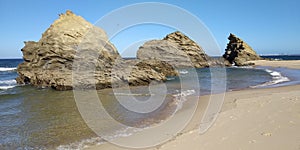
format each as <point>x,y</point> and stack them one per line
<point>7,69</point>
<point>277,78</point>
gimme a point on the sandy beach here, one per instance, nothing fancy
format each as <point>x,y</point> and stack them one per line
<point>250,119</point>
<point>294,64</point>
<point>158,75</point>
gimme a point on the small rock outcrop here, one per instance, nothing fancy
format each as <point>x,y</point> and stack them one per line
<point>177,49</point>
<point>71,43</point>
<point>239,52</point>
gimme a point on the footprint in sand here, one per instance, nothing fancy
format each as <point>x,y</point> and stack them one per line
<point>266,134</point>
<point>252,141</point>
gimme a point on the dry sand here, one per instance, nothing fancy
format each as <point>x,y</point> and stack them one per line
<point>260,119</point>
<point>295,64</point>
<point>263,119</point>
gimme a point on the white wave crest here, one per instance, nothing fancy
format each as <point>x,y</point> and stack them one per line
<point>183,72</point>
<point>7,69</point>
<point>180,98</point>
<point>6,87</point>
<point>171,78</point>
<point>277,77</point>
<point>82,144</point>
<point>9,82</point>
<point>132,94</point>
<point>245,67</point>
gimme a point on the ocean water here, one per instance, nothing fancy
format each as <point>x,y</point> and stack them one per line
<point>32,118</point>
<point>8,73</point>
<point>282,57</point>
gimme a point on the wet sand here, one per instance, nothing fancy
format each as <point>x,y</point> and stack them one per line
<point>250,119</point>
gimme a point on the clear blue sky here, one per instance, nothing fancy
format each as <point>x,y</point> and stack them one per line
<point>270,27</point>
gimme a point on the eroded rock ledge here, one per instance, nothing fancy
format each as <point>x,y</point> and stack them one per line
<point>177,49</point>
<point>71,43</point>
<point>239,52</point>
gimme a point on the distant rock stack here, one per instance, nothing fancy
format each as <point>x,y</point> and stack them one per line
<point>176,49</point>
<point>239,52</point>
<point>50,61</point>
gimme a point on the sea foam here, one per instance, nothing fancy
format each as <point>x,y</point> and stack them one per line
<point>180,98</point>
<point>6,87</point>
<point>277,77</point>
<point>82,144</point>
<point>85,143</point>
<point>183,72</point>
<point>7,69</point>
<point>7,84</point>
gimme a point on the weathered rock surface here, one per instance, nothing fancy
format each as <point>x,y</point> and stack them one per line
<point>141,72</point>
<point>122,73</point>
<point>239,52</point>
<point>176,49</point>
<point>218,62</point>
<point>71,43</point>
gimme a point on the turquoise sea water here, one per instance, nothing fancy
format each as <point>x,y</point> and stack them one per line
<point>32,118</point>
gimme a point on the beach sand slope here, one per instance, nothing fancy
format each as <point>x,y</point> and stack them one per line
<point>260,119</point>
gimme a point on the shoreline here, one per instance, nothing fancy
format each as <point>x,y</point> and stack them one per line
<point>228,106</point>
<point>292,64</point>
<point>251,119</point>
<point>234,118</point>
<point>247,120</point>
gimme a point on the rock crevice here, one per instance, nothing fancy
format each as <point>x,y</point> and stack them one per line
<point>239,52</point>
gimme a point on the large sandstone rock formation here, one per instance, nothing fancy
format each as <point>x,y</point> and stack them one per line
<point>71,43</point>
<point>239,52</point>
<point>177,49</point>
